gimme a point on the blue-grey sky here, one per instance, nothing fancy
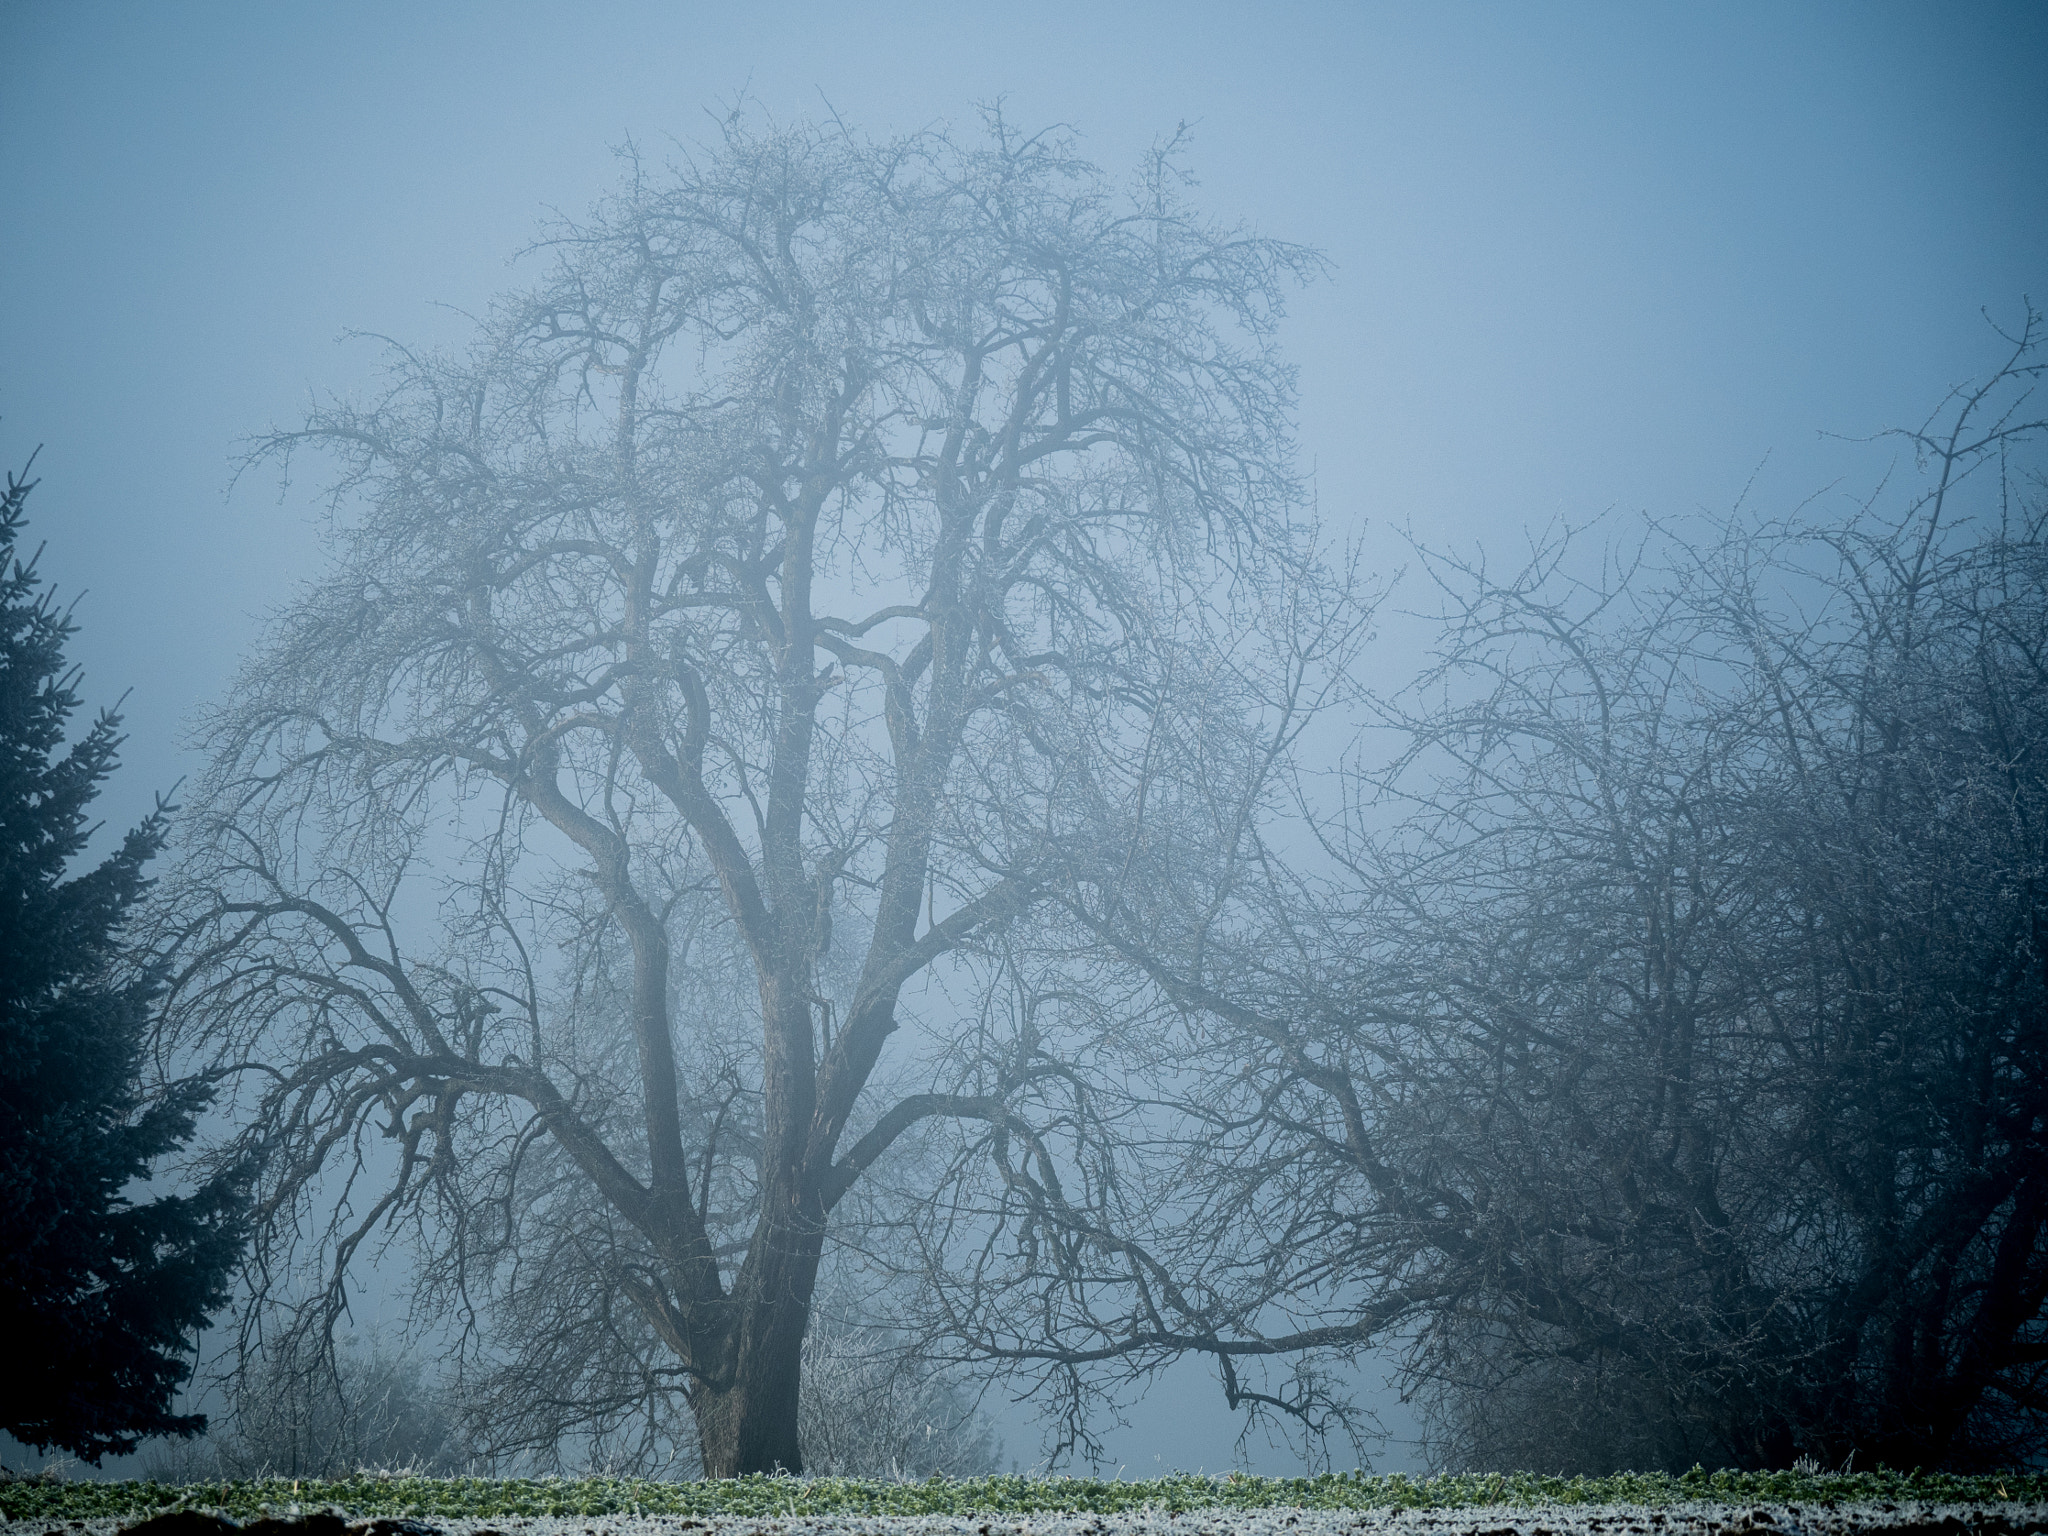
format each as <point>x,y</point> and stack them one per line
<point>1587,256</point>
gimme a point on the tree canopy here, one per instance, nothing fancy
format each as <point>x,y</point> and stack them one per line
<point>792,591</point>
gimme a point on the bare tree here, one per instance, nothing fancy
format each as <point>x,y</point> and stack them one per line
<point>753,622</point>
<point>1659,1059</point>
<point>1755,1094</point>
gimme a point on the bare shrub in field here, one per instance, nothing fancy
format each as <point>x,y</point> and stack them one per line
<point>873,1406</point>
<point>365,1407</point>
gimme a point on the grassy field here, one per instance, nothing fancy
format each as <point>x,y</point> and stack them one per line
<point>459,1497</point>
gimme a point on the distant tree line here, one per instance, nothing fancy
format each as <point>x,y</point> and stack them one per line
<point>870,1406</point>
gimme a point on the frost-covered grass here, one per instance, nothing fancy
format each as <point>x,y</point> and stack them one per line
<point>478,1498</point>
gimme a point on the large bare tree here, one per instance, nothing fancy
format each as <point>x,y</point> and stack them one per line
<point>760,613</point>
<point>1661,1056</point>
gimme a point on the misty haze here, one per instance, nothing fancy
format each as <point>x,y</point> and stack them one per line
<point>956,743</point>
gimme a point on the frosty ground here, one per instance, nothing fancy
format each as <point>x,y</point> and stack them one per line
<point>1909,1518</point>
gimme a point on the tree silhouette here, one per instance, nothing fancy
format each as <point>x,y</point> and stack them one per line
<point>774,606</point>
<point>100,1295</point>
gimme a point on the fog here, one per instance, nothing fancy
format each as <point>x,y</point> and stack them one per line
<point>1587,260</point>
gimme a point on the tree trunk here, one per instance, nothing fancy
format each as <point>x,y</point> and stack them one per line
<point>751,1424</point>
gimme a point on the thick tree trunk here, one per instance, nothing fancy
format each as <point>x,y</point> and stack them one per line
<point>751,1424</point>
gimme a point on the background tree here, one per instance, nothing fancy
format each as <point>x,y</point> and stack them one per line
<point>750,625</point>
<point>361,1405</point>
<point>1785,976</point>
<point>1660,1058</point>
<point>101,1296</point>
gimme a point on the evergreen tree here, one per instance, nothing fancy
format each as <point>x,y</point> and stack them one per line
<point>100,1296</point>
